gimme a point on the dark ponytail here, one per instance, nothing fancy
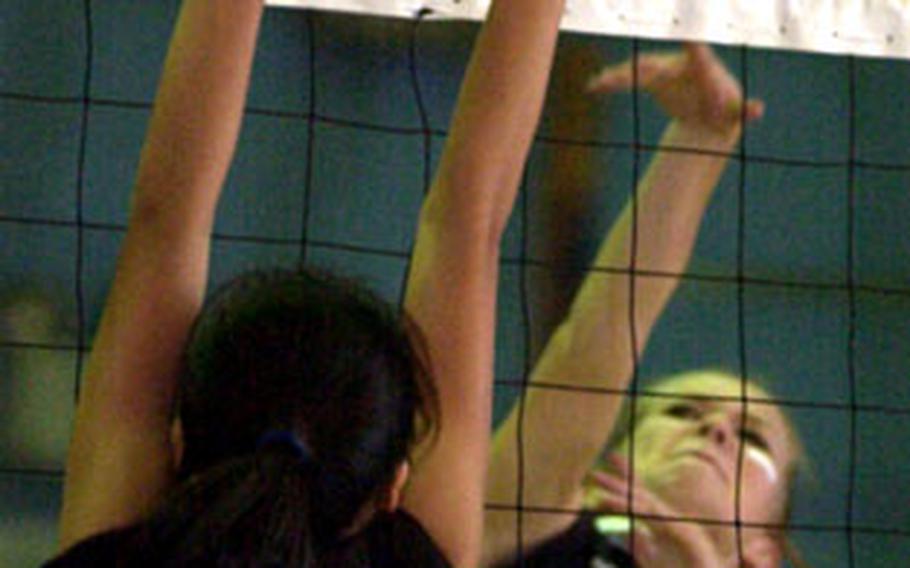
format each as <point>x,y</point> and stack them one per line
<point>331,368</point>
<point>251,511</point>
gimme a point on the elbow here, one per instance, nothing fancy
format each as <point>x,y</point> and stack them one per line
<point>474,208</point>
<point>170,216</point>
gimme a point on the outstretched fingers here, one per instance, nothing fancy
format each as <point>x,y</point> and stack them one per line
<point>660,535</point>
<point>611,496</point>
<point>692,85</point>
<point>651,69</point>
<point>613,492</point>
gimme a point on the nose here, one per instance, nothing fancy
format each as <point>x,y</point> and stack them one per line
<point>717,427</point>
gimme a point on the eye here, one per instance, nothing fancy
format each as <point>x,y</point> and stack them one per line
<point>681,410</point>
<point>754,438</point>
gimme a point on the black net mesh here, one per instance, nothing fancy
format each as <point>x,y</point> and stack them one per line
<point>799,275</point>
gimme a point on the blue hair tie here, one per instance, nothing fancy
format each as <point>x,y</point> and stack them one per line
<point>286,439</point>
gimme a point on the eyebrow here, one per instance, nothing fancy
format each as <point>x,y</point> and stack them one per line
<point>659,401</point>
<point>752,418</point>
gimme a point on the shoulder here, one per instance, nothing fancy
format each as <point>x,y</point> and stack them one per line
<point>111,548</point>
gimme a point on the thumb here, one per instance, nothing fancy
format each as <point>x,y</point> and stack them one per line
<point>755,109</point>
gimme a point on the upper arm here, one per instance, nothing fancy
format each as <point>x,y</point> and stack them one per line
<point>451,296</point>
<point>120,459</point>
<point>559,432</point>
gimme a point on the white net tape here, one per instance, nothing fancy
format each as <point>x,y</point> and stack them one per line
<point>862,27</point>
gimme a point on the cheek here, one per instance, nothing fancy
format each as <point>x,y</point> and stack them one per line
<point>763,465</point>
<point>654,440</point>
<point>762,487</point>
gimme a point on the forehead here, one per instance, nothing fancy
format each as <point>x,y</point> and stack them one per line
<point>709,384</point>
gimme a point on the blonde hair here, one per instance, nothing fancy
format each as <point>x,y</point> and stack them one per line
<point>799,465</point>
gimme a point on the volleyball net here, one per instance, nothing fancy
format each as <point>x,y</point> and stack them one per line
<point>801,274</point>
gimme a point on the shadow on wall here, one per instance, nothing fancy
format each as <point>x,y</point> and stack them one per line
<point>37,384</point>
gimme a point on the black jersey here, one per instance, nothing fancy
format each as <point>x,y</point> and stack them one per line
<point>398,539</point>
<point>390,539</point>
<point>579,546</point>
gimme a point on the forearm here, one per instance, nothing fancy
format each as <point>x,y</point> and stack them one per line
<point>672,198</point>
<point>497,113</point>
<point>593,346</point>
<point>198,109</point>
<point>188,148</point>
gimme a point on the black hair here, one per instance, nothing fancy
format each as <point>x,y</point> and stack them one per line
<point>305,353</point>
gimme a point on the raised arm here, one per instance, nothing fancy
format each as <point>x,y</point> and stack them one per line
<point>120,459</point>
<point>565,431</point>
<point>453,281</point>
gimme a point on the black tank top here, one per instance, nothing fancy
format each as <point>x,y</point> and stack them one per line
<point>579,546</point>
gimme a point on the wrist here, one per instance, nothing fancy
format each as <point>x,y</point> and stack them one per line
<point>703,137</point>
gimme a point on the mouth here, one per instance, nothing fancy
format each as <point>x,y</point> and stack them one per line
<point>712,461</point>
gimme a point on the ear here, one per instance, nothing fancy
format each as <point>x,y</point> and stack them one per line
<point>763,550</point>
<point>391,497</point>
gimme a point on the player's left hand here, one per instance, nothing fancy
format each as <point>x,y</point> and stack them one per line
<point>661,538</point>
